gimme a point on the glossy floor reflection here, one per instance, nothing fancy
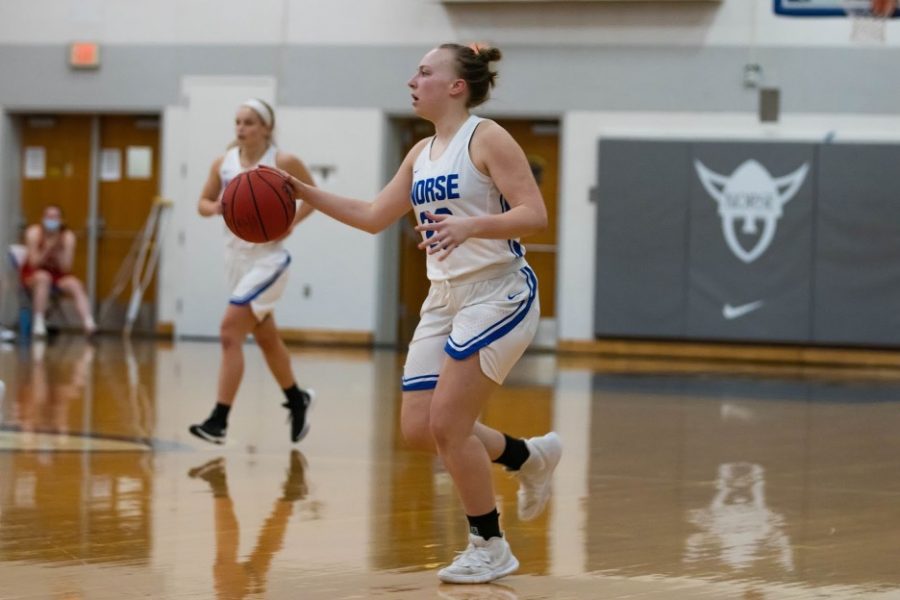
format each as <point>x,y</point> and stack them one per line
<point>678,480</point>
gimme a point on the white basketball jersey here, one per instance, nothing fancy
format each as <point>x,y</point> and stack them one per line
<point>451,185</point>
<point>231,168</point>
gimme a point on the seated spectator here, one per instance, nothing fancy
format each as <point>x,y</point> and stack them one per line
<point>50,249</point>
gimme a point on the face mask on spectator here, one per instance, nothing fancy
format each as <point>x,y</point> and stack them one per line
<point>52,224</point>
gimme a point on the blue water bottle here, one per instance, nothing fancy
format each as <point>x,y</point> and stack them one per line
<point>24,323</point>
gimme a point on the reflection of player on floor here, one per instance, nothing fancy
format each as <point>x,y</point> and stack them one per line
<point>486,591</point>
<point>234,579</point>
<point>51,386</point>
<point>257,275</point>
<point>738,528</point>
<point>473,193</point>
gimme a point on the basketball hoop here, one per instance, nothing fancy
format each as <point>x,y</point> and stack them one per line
<point>868,19</point>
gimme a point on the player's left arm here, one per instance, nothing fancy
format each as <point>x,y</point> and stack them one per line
<point>496,154</point>
<point>294,166</point>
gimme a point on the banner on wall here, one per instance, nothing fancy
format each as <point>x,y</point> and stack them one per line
<point>857,268</point>
<point>750,243</point>
<point>641,195</point>
<point>705,240</point>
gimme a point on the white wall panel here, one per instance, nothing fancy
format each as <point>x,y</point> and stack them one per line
<point>335,263</point>
<point>173,186</point>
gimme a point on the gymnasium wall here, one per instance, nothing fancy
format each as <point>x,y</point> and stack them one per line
<point>371,23</point>
<point>629,69</point>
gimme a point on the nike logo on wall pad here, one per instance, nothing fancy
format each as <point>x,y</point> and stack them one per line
<point>734,312</point>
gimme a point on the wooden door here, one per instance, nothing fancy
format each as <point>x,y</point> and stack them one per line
<point>412,279</point>
<point>56,169</point>
<point>129,182</point>
<point>540,141</point>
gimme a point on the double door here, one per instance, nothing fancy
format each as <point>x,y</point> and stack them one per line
<point>103,171</point>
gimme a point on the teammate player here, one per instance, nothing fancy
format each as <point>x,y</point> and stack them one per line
<point>474,195</point>
<point>257,275</point>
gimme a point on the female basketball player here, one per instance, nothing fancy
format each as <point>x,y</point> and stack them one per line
<point>257,275</point>
<point>473,194</point>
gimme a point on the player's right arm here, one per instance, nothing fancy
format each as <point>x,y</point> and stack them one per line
<point>389,205</point>
<point>210,204</point>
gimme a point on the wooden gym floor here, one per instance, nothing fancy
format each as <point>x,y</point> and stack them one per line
<point>678,481</point>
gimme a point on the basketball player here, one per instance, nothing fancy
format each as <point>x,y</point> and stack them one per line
<point>50,250</point>
<point>257,275</point>
<point>474,195</point>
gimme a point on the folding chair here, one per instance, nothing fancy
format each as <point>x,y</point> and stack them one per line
<point>9,280</point>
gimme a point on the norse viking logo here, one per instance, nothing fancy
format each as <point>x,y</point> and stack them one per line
<point>750,195</point>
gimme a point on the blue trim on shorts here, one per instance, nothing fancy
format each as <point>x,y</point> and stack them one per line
<point>422,382</point>
<point>498,329</point>
<point>254,294</point>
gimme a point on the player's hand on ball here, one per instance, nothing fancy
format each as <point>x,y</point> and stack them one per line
<point>295,183</point>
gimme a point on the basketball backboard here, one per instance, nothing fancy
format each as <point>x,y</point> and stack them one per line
<point>817,8</point>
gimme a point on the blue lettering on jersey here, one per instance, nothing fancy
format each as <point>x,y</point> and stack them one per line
<point>453,185</point>
<point>442,187</point>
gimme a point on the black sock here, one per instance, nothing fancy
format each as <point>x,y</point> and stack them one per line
<point>485,526</point>
<point>514,454</point>
<point>220,414</point>
<point>295,398</point>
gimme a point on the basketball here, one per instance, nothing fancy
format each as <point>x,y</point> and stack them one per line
<point>258,206</point>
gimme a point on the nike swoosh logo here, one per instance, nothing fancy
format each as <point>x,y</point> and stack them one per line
<point>511,296</point>
<point>734,312</point>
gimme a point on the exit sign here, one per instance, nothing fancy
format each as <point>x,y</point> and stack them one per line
<point>84,55</point>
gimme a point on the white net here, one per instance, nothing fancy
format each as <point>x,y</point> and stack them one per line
<point>868,19</point>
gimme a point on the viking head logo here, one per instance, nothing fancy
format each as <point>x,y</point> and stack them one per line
<point>750,195</point>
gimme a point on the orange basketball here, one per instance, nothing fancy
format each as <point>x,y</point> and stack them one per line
<point>258,205</point>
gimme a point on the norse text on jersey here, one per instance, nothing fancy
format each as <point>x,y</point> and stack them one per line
<point>433,189</point>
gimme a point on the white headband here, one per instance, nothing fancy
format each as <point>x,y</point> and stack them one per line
<point>264,112</point>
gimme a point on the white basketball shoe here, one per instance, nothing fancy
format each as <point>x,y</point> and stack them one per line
<point>536,474</point>
<point>482,561</point>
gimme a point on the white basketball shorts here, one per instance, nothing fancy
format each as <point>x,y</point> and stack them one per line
<point>497,317</point>
<point>258,281</point>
